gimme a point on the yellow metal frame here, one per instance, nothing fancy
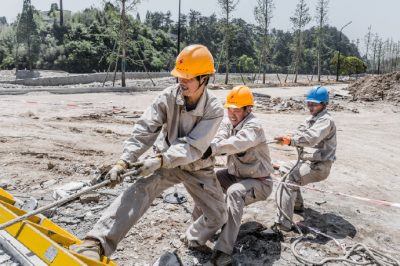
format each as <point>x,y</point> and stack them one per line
<point>44,238</point>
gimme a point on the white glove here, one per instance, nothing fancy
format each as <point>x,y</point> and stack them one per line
<point>114,175</point>
<point>148,166</point>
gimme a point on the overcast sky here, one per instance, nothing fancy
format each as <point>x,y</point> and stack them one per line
<point>383,15</point>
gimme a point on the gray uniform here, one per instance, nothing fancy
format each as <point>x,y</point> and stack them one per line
<point>318,138</point>
<point>181,137</point>
<point>246,179</point>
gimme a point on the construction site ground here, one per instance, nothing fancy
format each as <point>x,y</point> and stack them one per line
<point>48,140</point>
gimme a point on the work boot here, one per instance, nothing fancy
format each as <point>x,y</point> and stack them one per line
<point>90,248</point>
<point>275,230</point>
<point>299,209</point>
<point>219,258</point>
<point>194,245</point>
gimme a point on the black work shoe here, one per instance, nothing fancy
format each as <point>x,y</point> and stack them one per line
<point>272,233</point>
<point>276,227</point>
<point>299,209</point>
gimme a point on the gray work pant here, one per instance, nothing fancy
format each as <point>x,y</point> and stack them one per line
<point>288,196</point>
<point>240,192</point>
<point>132,203</point>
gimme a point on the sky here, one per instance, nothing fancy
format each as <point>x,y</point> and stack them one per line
<point>382,15</point>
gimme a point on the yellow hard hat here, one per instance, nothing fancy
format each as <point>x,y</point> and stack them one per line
<point>194,60</point>
<point>238,97</point>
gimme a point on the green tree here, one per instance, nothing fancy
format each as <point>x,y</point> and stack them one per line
<point>27,33</point>
<point>349,65</point>
<point>7,48</point>
<point>246,64</point>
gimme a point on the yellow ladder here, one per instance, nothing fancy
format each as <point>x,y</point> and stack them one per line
<point>43,238</point>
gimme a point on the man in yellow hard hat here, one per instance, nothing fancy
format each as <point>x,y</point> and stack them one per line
<point>246,178</point>
<point>181,124</point>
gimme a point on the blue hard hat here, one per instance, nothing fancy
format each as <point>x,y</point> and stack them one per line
<point>318,94</point>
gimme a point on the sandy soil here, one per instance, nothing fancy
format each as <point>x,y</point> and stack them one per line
<point>47,140</point>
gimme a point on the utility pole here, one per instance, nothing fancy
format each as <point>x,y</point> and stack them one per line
<point>179,28</point>
<point>123,46</point>
<point>338,46</point>
<point>226,43</point>
<point>61,13</point>
<point>178,47</point>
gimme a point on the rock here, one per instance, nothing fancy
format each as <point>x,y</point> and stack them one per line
<point>4,258</point>
<point>68,189</point>
<point>68,220</point>
<point>92,197</point>
<point>167,259</point>
<point>50,165</point>
<point>48,183</point>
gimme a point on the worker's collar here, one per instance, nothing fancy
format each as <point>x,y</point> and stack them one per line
<point>201,104</point>
<point>240,125</point>
<point>321,113</point>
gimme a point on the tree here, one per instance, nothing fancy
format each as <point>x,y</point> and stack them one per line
<point>349,65</point>
<point>93,38</point>
<point>375,44</point>
<point>227,7</point>
<point>7,46</point>
<point>3,21</point>
<point>380,54</point>
<point>367,42</point>
<point>354,65</point>
<point>246,64</point>
<point>321,17</point>
<point>299,20</point>
<point>124,6</point>
<point>27,33</point>
<point>263,15</point>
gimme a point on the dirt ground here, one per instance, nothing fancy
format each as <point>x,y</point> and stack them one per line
<point>48,140</point>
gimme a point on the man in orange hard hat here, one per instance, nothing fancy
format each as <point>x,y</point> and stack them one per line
<point>246,178</point>
<point>181,124</point>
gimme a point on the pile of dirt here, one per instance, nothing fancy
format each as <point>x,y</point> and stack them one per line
<point>265,104</point>
<point>375,88</point>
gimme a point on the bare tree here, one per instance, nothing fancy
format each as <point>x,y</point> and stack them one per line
<point>367,42</point>
<point>299,20</point>
<point>263,16</point>
<point>392,51</point>
<point>397,56</point>
<point>375,44</point>
<point>380,54</point>
<point>322,18</point>
<point>124,7</point>
<point>227,7</point>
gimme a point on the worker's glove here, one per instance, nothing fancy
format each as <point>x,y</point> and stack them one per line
<point>207,153</point>
<point>283,140</point>
<point>115,174</point>
<point>148,166</point>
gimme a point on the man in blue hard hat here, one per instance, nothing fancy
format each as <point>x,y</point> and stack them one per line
<point>317,138</point>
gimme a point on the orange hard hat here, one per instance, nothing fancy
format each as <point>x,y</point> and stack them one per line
<point>194,60</point>
<point>238,97</point>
